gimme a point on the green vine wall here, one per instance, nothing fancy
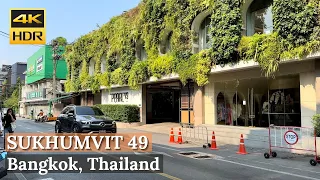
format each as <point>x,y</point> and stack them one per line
<point>296,33</point>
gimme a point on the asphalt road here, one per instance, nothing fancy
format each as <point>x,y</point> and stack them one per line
<point>220,165</point>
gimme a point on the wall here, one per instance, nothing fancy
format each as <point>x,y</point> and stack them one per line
<point>211,91</point>
<point>308,98</point>
<point>17,71</point>
<point>134,96</point>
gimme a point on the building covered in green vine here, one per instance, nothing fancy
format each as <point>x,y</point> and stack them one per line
<point>224,63</point>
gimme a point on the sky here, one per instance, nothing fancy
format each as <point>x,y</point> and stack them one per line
<point>66,18</point>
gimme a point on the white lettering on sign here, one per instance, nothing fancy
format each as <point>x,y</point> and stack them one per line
<point>291,137</point>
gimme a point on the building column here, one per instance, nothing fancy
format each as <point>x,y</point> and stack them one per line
<point>308,98</point>
<point>198,106</point>
<point>143,109</point>
<point>317,84</point>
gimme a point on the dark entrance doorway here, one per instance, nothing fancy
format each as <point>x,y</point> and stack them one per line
<point>163,102</point>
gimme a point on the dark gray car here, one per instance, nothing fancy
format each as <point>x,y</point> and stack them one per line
<point>84,119</point>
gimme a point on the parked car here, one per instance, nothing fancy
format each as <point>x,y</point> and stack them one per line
<point>84,119</point>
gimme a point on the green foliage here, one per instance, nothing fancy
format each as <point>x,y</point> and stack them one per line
<point>138,74</point>
<point>151,24</point>
<point>13,100</point>
<point>162,65</point>
<point>316,123</point>
<point>294,20</point>
<point>123,113</point>
<point>226,29</point>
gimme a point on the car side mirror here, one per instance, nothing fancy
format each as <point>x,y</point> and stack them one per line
<point>70,114</point>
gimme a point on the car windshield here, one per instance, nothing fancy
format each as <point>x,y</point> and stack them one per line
<point>89,111</point>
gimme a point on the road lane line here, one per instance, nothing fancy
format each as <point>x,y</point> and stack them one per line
<point>40,132</point>
<point>168,176</point>
<point>288,167</point>
<point>163,153</point>
<point>28,128</point>
<point>161,174</point>
<point>166,148</point>
<point>20,176</point>
<point>270,170</point>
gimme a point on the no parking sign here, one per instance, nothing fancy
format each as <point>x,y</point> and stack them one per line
<point>291,137</point>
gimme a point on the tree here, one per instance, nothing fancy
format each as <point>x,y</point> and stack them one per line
<point>13,100</point>
<point>61,41</point>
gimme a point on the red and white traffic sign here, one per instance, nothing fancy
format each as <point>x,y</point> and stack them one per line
<point>291,137</point>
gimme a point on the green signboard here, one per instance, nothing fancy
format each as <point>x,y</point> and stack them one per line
<point>36,94</point>
<point>40,66</point>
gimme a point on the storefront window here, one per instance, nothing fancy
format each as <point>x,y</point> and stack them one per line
<point>259,102</point>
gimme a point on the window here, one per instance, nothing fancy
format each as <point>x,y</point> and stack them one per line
<point>204,34</point>
<point>65,110</point>
<point>71,110</point>
<point>168,43</point>
<point>91,67</point>
<point>259,17</point>
<point>103,64</point>
<point>89,111</point>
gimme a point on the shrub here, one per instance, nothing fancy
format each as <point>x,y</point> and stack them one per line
<point>123,113</point>
<point>316,123</point>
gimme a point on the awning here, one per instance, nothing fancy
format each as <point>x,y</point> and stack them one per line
<point>62,97</point>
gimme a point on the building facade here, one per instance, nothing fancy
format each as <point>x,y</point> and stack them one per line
<point>17,71</point>
<point>235,94</point>
<point>37,92</point>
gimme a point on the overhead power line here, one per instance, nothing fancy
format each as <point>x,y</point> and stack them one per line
<point>4,34</point>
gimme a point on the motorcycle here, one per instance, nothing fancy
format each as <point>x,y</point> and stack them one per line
<point>41,119</point>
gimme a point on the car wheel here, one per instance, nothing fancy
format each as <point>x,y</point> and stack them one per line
<point>75,128</point>
<point>57,128</point>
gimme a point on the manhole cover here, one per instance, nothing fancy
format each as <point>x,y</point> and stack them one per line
<point>188,153</point>
<point>202,157</point>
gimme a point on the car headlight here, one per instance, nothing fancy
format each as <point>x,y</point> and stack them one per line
<point>114,123</point>
<point>86,122</point>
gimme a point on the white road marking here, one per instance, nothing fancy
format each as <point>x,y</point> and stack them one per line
<point>47,179</point>
<point>163,153</point>
<point>288,167</point>
<point>40,132</point>
<point>20,176</point>
<point>166,148</point>
<point>270,170</point>
<point>28,128</point>
<point>247,165</point>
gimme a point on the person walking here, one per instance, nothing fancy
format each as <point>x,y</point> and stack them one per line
<point>9,121</point>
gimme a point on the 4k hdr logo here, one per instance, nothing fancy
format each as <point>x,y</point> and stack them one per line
<point>27,26</point>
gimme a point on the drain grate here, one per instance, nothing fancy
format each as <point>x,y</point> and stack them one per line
<point>188,153</point>
<point>202,157</point>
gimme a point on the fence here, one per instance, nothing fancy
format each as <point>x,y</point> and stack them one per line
<point>195,134</point>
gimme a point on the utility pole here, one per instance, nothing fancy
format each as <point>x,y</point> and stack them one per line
<point>55,57</point>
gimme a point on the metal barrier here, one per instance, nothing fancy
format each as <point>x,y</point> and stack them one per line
<point>195,134</point>
<point>292,138</point>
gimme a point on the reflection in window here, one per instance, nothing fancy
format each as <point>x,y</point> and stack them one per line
<point>263,21</point>
<point>204,34</point>
<point>259,17</point>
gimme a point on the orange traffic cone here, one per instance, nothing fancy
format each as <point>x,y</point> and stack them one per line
<point>242,148</point>
<point>171,139</point>
<point>180,137</point>
<point>213,142</point>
